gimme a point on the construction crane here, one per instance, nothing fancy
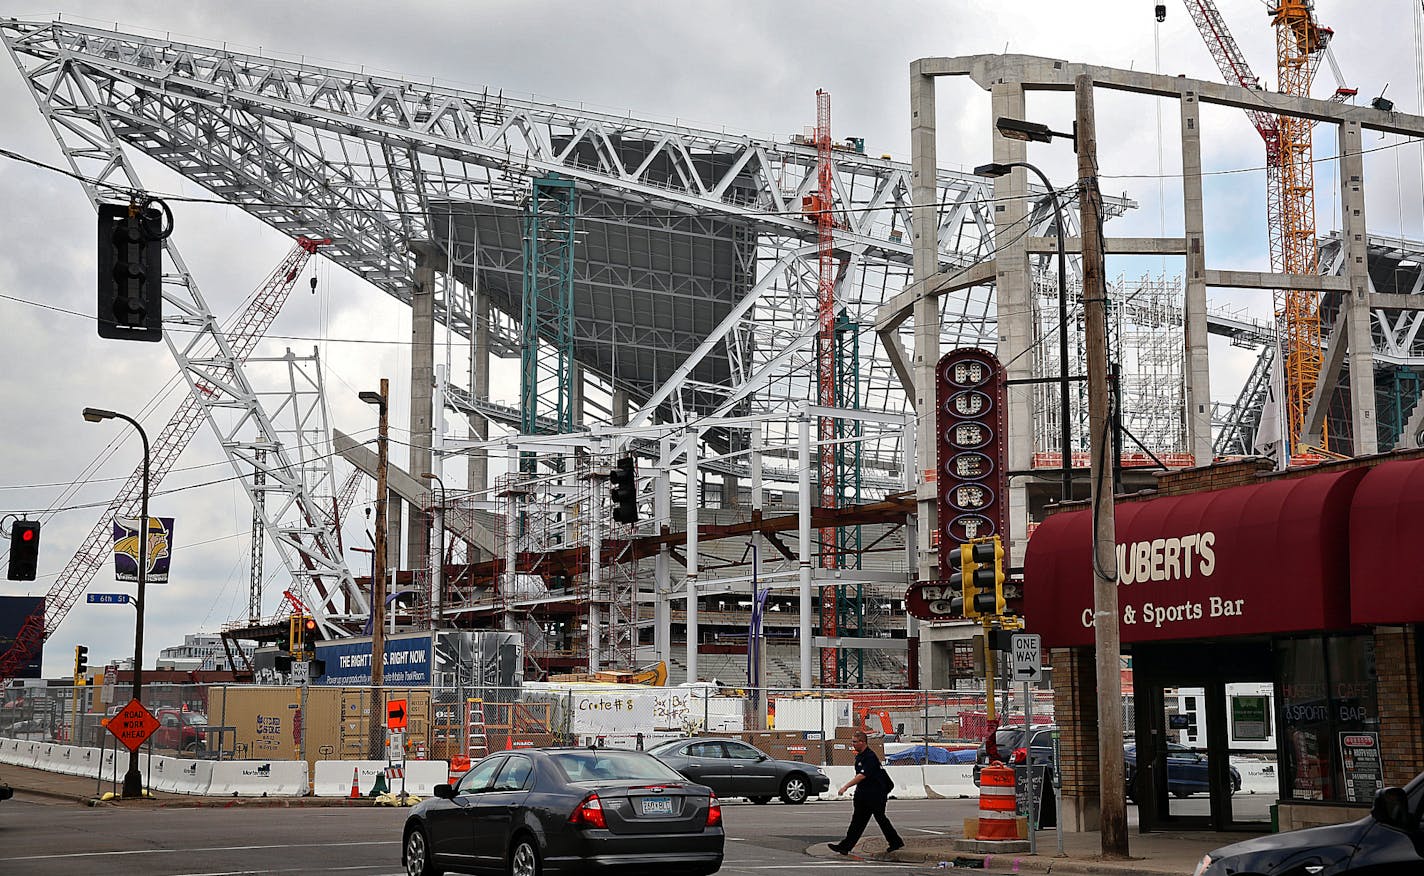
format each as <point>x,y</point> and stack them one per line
<point>1290,185</point>
<point>826,372</point>
<point>247,329</point>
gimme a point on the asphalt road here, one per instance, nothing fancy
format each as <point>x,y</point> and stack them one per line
<point>40,836</point>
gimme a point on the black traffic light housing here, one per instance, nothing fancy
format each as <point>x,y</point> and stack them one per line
<point>81,660</point>
<point>130,305</point>
<point>24,550</point>
<point>623,490</point>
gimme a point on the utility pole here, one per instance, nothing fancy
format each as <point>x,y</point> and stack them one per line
<point>1105,630</point>
<point>378,574</point>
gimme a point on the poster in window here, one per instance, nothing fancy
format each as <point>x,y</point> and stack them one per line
<point>1364,773</point>
<point>1248,719</point>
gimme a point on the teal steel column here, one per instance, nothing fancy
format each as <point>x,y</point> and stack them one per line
<point>546,350</point>
<point>850,599</point>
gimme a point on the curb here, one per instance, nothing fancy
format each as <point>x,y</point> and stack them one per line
<point>1015,862</point>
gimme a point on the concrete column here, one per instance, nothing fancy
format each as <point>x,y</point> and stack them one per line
<point>1198,370</point>
<point>803,537</point>
<point>1014,296</point>
<point>576,403</point>
<point>478,462</point>
<point>1362,351</point>
<point>620,405</point>
<point>924,238</point>
<point>422,381</point>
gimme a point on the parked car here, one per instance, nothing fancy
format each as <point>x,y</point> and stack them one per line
<point>31,731</point>
<point>732,768</point>
<point>1186,771</point>
<point>1009,747</point>
<point>1386,841</point>
<point>567,810</point>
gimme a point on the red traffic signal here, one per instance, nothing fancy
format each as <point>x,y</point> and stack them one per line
<point>24,550</point>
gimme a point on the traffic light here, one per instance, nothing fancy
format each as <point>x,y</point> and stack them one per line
<point>296,629</point>
<point>978,576</point>
<point>24,550</point>
<point>81,660</point>
<point>130,305</point>
<point>623,490</point>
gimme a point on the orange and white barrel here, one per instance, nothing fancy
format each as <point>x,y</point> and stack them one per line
<point>459,765</point>
<point>998,810</point>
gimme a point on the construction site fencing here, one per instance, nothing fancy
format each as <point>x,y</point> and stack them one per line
<point>316,723</point>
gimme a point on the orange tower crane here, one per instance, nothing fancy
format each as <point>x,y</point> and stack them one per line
<point>1290,185</point>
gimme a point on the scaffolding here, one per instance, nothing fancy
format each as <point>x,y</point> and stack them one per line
<point>546,350</point>
<point>1152,359</point>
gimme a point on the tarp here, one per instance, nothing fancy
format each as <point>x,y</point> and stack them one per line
<point>935,754</point>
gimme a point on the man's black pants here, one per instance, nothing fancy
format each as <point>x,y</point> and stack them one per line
<point>866,807</point>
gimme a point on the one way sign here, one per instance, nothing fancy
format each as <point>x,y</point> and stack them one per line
<point>395,715</point>
<point>1027,651</point>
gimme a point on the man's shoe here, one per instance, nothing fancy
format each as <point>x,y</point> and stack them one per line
<point>894,847</point>
<point>839,849</point>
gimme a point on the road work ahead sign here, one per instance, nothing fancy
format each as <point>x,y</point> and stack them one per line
<point>133,725</point>
<point>1027,656</point>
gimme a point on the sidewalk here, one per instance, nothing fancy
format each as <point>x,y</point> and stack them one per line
<point>1176,853</point>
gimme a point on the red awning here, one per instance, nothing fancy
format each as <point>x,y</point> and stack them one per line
<point>1387,545</point>
<point>1265,558</point>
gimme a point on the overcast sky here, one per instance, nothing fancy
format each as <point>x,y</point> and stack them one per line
<point>751,67</point>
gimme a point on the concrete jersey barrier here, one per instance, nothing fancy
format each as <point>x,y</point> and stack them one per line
<point>332,778</point>
<point>259,778</point>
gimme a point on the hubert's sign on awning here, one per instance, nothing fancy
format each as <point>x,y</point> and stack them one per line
<point>1265,558</point>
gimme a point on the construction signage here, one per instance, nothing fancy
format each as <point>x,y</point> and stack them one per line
<point>396,715</point>
<point>132,725</point>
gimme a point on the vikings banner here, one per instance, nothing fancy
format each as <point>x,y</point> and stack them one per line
<point>160,534</point>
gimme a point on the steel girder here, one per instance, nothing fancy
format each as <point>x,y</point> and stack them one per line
<point>87,132</point>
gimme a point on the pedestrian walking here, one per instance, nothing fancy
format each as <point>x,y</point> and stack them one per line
<point>872,790</point>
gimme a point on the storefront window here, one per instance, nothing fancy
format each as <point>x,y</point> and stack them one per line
<point>1328,713</point>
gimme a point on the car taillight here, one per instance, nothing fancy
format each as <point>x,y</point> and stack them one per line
<point>589,813</point>
<point>714,812</point>
<point>1020,755</point>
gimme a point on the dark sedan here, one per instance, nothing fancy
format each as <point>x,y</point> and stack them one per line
<point>732,768</point>
<point>566,810</point>
<point>1387,841</point>
<point>1186,771</point>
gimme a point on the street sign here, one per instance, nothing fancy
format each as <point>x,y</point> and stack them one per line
<point>396,715</point>
<point>108,599</point>
<point>132,725</point>
<point>1027,657</point>
<point>395,747</point>
<point>301,672</point>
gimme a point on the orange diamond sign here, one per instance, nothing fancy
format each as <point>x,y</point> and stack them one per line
<point>133,725</point>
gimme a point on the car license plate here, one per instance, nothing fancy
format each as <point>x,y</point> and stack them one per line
<point>657,805</point>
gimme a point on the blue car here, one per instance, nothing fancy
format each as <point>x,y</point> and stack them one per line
<point>1186,771</point>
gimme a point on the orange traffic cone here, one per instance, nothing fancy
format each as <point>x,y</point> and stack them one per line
<point>355,784</point>
<point>509,743</point>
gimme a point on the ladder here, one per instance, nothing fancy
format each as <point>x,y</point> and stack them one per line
<point>476,740</point>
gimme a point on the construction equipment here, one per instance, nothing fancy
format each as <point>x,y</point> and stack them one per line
<point>244,333</point>
<point>1290,186</point>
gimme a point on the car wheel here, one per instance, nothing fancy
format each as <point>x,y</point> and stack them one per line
<point>418,860</point>
<point>524,857</point>
<point>794,789</point>
<point>760,801</point>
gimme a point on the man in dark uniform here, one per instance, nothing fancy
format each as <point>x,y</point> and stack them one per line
<point>872,790</point>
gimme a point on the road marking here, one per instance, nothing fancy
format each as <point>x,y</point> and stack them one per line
<point>190,851</point>
<point>287,870</point>
<point>927,830</point>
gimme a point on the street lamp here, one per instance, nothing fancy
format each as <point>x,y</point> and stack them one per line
<point>437,570</point>
<point>133,780</point>
<point>1065,433</point>
<point>378,574</point>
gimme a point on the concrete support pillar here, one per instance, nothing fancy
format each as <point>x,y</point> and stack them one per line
<point>1014,296</point>
<point>478,464</point>
<point>1198,370</point>
<point>924,238</point>
<point>576,385</point>
<point>422,383</point>
<point>662,564</point>
<point>693,501</point>
<point>621,405</point>
<point>1362,351</point>
<point>806,462</point>
<point>1075,704</point>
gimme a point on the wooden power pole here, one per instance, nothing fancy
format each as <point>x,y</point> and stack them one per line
<point>1105,612</point>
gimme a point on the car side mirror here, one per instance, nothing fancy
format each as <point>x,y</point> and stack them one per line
<point>762,758</point>
<point>445,792</point>
<point>1391,808</point>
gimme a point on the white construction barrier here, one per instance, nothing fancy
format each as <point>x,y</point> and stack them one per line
<point>1258,776</point>
<point>421,776</point>
<point>950,781</point>
<point>10,751</point>
<point>259,778</point>
<point>163,775</point>
<point>909,782</point>
<point>332,778</point>
<point>194,776</point>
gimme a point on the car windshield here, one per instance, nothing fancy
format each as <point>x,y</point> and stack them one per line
<point>604,764</point>
<point>667,747</point>
<point>194,718</point>
<point>1007,739</point>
